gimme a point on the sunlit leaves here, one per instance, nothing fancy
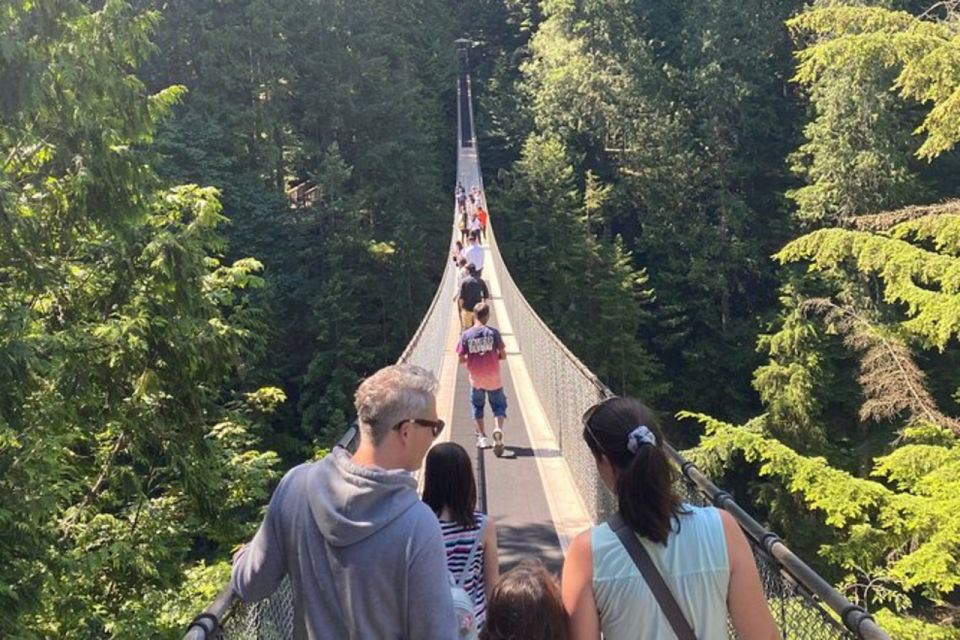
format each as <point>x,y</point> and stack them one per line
<point>121,327</point>
<point>925,55</point>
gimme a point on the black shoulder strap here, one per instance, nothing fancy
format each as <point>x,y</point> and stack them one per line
<point>654,580</point>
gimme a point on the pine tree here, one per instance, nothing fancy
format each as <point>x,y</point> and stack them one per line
<point>123,434</point>
<point>586,289</point>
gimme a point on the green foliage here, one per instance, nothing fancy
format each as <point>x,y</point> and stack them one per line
<point>122,443</point>
<point>899,627</point>
<point>925,282</point>
<point>856,158</point>
<point>586,289</point>
<point>351,98</point>
<point>923,52</point>
<point>679,115</point>
<point>894,540</point>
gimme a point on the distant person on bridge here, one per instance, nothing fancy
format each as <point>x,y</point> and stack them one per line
<point>699,552</point>
<point>364,555</point>
<point>450,490</point>
<point>463,226</point>
<point>474,253</point>
<point>461,197</point>
<point>477,195</point>
<point>475,225</point>
<point>481,348</point>
<point>482,217</point>
<point>472,291</point>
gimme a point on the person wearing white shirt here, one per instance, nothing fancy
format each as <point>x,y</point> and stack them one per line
<point>474,252</point>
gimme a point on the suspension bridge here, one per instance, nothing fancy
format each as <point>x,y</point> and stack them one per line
<point>544,489</point>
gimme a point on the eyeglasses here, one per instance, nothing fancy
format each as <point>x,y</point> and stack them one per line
<point>436,426</point>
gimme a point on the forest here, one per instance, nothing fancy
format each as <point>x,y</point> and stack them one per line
<point>746,213</point>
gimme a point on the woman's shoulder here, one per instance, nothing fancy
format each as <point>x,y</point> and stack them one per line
<point>699,518</point>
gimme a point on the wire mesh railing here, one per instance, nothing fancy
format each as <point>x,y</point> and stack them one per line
<point>272,618</point>
<point>803,604</point>
<point>567,388</point>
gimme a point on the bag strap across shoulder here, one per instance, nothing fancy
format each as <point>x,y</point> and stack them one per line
<point>655,581</point>
<point>473,552</point>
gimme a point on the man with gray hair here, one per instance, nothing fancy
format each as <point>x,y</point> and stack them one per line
<point>364,555</point>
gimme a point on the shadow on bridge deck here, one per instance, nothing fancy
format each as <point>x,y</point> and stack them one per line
<point>513,490</point>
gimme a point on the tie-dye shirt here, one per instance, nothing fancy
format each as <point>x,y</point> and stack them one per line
<point>482,345</point>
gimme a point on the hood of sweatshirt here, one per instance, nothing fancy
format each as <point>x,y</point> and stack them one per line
<point>350,502</point>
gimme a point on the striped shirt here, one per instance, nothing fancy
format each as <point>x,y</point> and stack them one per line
<point>458,540</point>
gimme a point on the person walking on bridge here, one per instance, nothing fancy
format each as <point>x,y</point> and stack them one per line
<point>474,253</point>
<point>481,348</point>
<point>658,567</point>
<point>365,556</point>
<point>482,216</point>
<point>472,291</point>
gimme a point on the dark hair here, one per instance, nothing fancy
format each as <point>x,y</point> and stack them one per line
<point>448,482</point>
<point>475,234</point>
<point>525,604</point>
<point>646,498</point>
<point>482,311</point>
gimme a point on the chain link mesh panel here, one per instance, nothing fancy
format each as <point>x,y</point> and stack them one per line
<point>566,388</point>
<point>796,611</point>
<point>426,347</point>
<point>272,617</point>
<point>268,619</point>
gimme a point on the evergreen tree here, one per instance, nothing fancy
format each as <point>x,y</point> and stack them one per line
<point>584,288</point>
<point>123,422</point>
<point>656,103</point>
<point>877,306</point>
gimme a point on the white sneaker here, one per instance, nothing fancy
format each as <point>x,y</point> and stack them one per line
<point>483,443</point>
<point>498,442</point>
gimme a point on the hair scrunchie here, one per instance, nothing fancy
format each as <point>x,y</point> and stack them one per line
<point>639,437</point>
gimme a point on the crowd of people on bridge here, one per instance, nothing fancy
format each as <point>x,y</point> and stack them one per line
<point>471,212</point>
<point>368,557</point>
<point>480,347</point>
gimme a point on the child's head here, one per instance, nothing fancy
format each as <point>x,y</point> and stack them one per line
<point>448,483</point>
<point>481,311</point>
<point>525,605</point>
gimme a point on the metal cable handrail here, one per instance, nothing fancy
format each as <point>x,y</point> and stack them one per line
<point>854,618</point>
<point>566,387</point>
<point>209,624</point>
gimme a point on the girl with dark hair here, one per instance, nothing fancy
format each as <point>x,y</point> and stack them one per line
<point>449,489</point>
<point>525,605</point>
<point>700,552</point>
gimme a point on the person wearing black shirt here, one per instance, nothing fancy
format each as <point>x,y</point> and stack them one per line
<point>472,291</point>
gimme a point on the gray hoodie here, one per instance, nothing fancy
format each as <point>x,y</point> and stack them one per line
<point>365,556</point>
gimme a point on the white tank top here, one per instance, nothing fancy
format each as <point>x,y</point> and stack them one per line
<point>694,564</point>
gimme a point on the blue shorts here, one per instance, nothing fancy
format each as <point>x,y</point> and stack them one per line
<point>498,402</point>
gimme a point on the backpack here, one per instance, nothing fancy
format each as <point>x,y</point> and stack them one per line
<point>463,605</point>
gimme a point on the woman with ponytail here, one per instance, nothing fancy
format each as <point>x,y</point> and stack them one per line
<point>700,552</point>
